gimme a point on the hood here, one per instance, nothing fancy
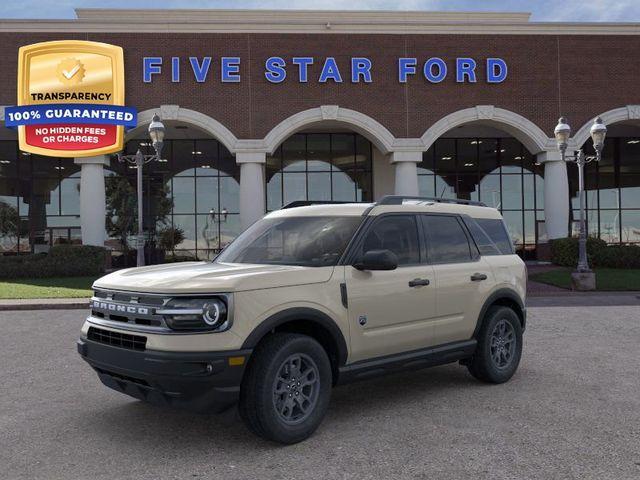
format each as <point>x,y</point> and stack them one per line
<point>207,277</point>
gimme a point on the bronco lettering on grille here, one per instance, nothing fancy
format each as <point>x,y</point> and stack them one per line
<point>115,307</point>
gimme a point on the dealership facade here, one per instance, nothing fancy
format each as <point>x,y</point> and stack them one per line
<point>263,108</point>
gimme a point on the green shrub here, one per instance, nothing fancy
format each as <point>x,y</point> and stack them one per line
<point>618,256</point>
<point>61,261</point>
<point>169,237</point>
<point>564,252</point>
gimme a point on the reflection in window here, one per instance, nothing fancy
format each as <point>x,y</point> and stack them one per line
<point>201,182</point>
<point>447,241</point>
<point>39,200</point>
<point>396,233</point>
<point>319,166</point>
<point>499,172</point>
<point>612,191</point>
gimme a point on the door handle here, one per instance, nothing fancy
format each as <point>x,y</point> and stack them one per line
<point>477,277</point>
<point>418,282</point>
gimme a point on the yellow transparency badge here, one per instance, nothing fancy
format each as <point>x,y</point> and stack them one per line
<point>71,99</point>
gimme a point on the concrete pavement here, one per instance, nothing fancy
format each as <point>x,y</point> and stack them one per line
<point>571,411</point>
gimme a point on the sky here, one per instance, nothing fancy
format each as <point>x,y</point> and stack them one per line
<point>542,10</point>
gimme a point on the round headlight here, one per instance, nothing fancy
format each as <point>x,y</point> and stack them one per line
<point>214,313</point>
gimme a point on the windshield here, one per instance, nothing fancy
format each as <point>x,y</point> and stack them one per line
<point>303,241</point>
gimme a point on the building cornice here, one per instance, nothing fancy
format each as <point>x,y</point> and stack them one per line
<point>264,16</point>
<point>307,21</point>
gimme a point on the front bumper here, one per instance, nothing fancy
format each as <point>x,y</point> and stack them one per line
<point>196,381</point>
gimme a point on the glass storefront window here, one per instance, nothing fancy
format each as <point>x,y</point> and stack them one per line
<point>629,149</point>
<point>229,194</point>
<point>511,156</point>
<point>70,195</point>
<point>487,155</point>
<point>183,195</point>
<point>207,194</point>
<point>319,186</point>
<point>445,156</point>
<point>199,182</point>
<point>630,224</point>
<point>499,172</point>
<point>514,222</point>
<point>201,179</point>
<point>294,187</point>
<point>40,200</point>
<point>612,191</point>
<point>321,167</point>
<point>341,186</point>
<point>319,152</point>
<point>630,190</point>
<point>609,226</point>
<point>426,186</point>
<point>490,191</point>
<point>294,154</point>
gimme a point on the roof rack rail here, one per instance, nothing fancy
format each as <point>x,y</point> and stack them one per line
<point>398,199</point>
<point>307,203</point>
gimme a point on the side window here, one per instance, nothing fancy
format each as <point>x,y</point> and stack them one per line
<point>446,240</point>
<point>485,245</point>
<point>497,232</point>
<point>397,233</point>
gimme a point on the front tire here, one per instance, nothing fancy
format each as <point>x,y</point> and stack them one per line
<point>499,346</point>
<point>286,390</point>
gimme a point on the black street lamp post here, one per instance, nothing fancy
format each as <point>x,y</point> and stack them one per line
<point>156,133</point>
<point>562,133</point>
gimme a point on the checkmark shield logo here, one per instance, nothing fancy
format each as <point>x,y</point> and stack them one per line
<point>70,71</point>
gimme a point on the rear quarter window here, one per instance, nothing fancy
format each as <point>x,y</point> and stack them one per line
<point>495,230</point>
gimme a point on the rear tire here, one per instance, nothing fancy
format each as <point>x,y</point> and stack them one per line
<point>286,390</point>
<point>499,346</point>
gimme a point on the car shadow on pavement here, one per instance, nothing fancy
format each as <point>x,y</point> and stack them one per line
<point>134,422</point>
<point>367,397</point>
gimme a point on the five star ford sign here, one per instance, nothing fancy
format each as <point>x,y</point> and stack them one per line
<point>70,99</point>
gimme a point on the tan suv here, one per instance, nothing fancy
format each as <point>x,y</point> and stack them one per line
<point>310,297</point>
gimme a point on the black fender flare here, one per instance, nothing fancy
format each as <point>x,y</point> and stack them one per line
<point>300,313</point>
<point>500,294</point>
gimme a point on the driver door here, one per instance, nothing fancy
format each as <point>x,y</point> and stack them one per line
<point>389,312</point>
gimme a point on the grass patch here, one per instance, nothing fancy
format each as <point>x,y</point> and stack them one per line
<point>607,279</point>
<point>64,287</point>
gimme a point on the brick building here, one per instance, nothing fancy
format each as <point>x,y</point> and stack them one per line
<point>266,107</point>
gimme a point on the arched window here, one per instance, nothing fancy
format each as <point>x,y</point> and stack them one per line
<point>195,188</point>
<point>320,166</point>
<point>499,172</point>
<point>39,198</point>
<point>612,189</point>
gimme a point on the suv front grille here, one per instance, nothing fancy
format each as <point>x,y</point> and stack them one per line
<point>117,339</point>
<point>134,310</point>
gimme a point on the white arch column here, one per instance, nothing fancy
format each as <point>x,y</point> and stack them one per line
<point>406,170</point>
<point>252,187</point>
<point>556,194</point>
<point>93,209</point>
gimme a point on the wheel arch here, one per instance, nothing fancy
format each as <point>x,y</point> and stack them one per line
<point>505,297</point>
<point>307,321</point>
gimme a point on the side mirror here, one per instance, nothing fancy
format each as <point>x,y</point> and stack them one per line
<point>377,260</point>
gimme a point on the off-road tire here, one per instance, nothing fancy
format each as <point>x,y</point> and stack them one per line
<point>485,365</point>
<point>257,405</point>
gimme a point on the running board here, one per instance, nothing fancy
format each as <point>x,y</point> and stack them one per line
<point>414,360</point>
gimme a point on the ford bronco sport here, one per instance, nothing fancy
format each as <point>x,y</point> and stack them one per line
<point>310,297</point>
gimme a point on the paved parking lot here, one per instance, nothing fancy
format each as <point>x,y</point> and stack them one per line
<point>572,411</point>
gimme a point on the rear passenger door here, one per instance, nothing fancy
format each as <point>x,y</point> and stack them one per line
<point>462,277</point>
